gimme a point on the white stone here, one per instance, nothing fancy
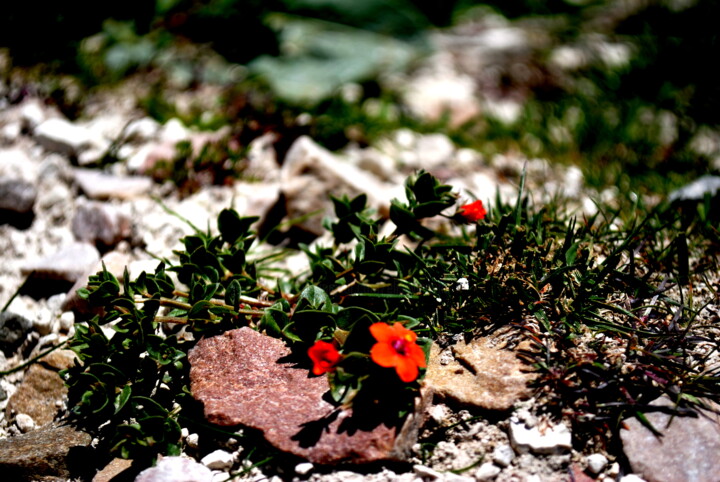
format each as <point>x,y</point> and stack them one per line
<point>310,172</point>
<point>24,422</point>
<point>192,440</point>
<point>16,163</point>
<point>596,463</point>
<point>434,150</point>
<point>218,460</point>
<point>569,58</point>
<point>551,440</point>
<point>32,113</point>
<point>63,137</point>
<point>142,129</point>
<point>433,94</point>
<point>506,111</point>
<point>487,471</point>
<point>439,413</point>
<point>631,478</point>
<point>67,321</point>
<point>174,469</point>
<point>262,159</point>
<point>175,131</point>
<point>11,131</point>
<point>462,284</point>
<point>304,468</point>
<point>426,472</point>
<point>45,323</point>
<point>503,455</point>
<point>696,190</point>
<point>451,477</point>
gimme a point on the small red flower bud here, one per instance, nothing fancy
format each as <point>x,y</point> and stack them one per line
<point>324,356</point>
<point>473,212</point>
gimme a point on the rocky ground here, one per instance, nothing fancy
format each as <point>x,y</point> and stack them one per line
<point>61,216</point>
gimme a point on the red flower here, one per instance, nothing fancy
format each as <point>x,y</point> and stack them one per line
<point>396,348</point>
<point>324,356</point>
<point>473,212</point>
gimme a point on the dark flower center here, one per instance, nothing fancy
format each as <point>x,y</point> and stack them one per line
<point>399,345</point>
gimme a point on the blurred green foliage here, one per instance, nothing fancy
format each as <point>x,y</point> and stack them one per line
<point>628,125</point>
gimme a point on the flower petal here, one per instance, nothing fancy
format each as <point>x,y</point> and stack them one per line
<point>417,355</point>
<point>384,355</point>
<point>407,370</point>
<point>382,332</point>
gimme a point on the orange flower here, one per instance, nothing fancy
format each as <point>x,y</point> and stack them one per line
<point>324,356</point>
<point>473,212</point>
<point>396,348</point>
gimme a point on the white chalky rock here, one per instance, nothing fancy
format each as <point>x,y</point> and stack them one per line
<point>487,471</point>
<point>304,468</point>
<point>192,440</point>
<point>631,478</point>
<point>25,422</point>
<point>596,463</point>
<point>439,413</point>
<point>218,460</point>
<point>503,455</point>
<point>62,136</point>
<point>551,440</point>
<point>174,469</point>
<point>32,113</point>
<point>426,472</point>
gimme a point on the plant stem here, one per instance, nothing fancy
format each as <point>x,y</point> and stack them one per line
<point>32,360</point>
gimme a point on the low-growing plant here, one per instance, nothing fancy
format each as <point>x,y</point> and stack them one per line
<point>587,300</point>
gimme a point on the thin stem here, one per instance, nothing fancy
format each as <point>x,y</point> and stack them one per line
<point>32,360</point>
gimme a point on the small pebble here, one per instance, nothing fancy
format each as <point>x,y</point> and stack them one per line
<point>613,470</point>
<point>487,471</point>
<point>218,460</point>
<point>426,472</point>
<point>503,455</point>
<point>25,422</point>
<point>67,320</point>
<point>596,463</point>
<point>192,440</point>
<point>631,478</point>
<point>439,413</point>
<point>304,468</point>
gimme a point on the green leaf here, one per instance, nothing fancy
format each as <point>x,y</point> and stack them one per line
<point>233,227</point>
<point>273,322</point>
<point>233,293</point>
<point>122,398</point>
<point>316,298</point>
<point>199,310</point>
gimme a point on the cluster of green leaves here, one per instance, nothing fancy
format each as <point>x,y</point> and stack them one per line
<point>131,382</point>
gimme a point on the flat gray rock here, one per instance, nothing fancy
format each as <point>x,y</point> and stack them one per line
<point>17,195</point>
<point>62,136</point>
<point>99,185</point>
<point>68,264</point>
<point>13,330</point>
<point>100,224</point>
<point>688,450</point>
<point>52,453</point>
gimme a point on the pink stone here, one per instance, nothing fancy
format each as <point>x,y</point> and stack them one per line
<point>245,378</point>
